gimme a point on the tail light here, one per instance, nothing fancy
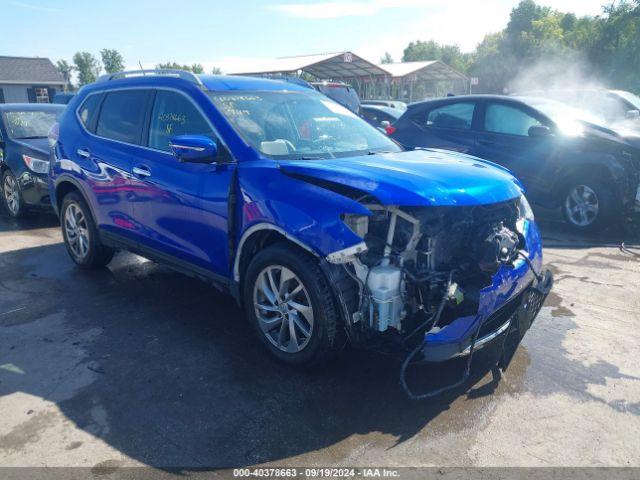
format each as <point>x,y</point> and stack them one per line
<point>390,130</point>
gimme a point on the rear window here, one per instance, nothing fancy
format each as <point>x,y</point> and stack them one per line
<point>88,111</point>
<point>30,124</point>
<point>122,115</point>
<point>454,115</point>
<point>344,95</point>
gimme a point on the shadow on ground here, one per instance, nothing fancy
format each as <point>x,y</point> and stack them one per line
<point>171,374</point>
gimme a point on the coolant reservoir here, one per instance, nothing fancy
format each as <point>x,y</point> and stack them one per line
<point>385,283</point>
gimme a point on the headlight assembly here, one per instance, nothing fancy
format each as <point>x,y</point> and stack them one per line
<point>36,165</point>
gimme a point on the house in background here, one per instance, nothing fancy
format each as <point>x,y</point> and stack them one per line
<point>26,79</point>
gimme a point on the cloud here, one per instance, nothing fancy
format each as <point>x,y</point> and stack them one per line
<point>341,9</point>
<point>32,6</point>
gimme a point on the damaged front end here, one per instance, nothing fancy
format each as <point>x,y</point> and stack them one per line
<point>439,282</point>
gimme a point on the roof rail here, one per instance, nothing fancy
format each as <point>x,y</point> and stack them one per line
<point>183,74</point>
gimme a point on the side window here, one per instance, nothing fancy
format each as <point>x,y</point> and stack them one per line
<point>88,111</point>
<point>173,114</point>
<point>122,115</point>
<point>454,115</point>
<point>508,120</point>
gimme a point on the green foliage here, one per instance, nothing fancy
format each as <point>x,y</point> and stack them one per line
<point>386,58</point>
<point>606,46</point>
<point>65,70</point>
<point>216,71</point>
<point>430,50</point>
<point>112,60</point>
<point>195,68</point>
<point>87,66</point>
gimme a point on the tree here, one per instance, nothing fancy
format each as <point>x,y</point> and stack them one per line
<point>112,60</point>
<point>65,70</point>
<point>195,68</point>
<point>216,71</point>
<point>87,66</point>
<point>386,58</point>
<point>431,50</point>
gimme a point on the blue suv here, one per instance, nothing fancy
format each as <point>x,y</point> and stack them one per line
<point>324,229</point>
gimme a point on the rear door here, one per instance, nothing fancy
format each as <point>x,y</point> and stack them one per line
<point>449,126</point>
<point>182,208</point>
<point>504,139</point>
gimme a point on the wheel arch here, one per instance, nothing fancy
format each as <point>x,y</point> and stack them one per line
<point>257,237</point>
<point>66,185</point>
<point>596,171</point>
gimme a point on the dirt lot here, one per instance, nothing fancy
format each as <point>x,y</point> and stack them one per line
<point>137,365</point>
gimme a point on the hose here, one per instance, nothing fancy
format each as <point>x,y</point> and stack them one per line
<point>630,250</point>
<point>528,260</point>
<point>433,393</point>
<point>436,316</point>
<point>407,361</point>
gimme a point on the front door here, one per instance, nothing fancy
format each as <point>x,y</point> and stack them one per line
<point>182,208</point>
<point>504,139</point>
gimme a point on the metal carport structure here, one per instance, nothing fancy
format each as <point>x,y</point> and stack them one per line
<point>413,81</point>
<point>408,81</point>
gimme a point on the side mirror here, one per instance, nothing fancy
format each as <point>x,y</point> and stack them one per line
<point>194,148</point>
<point>385,123</point>
<point>539,131</point>
<point>633,114</point>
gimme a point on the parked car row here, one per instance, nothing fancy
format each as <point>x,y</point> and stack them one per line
<point>563,157</point>
<point>24,155</point>
<point>320,225</point>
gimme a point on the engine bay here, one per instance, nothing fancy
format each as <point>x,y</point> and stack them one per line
<point>425,266</point>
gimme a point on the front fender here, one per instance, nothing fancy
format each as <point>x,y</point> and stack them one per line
<point>308,214</point>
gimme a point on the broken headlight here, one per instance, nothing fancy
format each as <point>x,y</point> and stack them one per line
<point>524,213</point>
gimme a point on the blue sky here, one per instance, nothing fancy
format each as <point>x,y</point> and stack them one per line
<point>231,34</point>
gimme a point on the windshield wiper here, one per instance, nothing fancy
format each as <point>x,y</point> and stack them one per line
<point>32,137</point>
<point>377,152</point>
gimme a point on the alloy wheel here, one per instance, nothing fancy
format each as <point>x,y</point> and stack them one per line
<point>283,308</point>
<point>11,194</point>
<point>75,225</point>
<point>582,206</point>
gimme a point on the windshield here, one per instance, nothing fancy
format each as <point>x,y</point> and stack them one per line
<point>28,124</point>
<point>299,125</point>
<point>630,97</point>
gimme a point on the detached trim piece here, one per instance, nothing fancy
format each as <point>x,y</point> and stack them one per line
<point>347,254</point>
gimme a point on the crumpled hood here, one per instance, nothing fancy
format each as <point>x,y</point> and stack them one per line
<point>414,178</point>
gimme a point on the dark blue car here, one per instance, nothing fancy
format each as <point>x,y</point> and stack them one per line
<point>564,158</point>
<point>24,155</point>
<point>321,227</point>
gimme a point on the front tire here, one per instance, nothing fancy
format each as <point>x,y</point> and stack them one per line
<point>289,303</point>
<point>588,204</point>
<point>81,235</point>
<point>12,195</point>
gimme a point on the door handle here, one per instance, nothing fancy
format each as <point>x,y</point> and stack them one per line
<point>83,152</point>
<point>141,171</point>
<point>486,142</point>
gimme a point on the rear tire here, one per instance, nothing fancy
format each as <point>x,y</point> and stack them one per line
<point>589,204</point>
<point>80,234</point>
<point>12,196</point>
<point>291,307</point>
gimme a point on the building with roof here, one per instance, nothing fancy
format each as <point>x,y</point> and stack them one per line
<point>28,79</point>
<point>407,81</point>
